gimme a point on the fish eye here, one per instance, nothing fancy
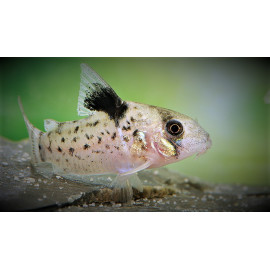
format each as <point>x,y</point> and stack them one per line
<point>174,127</point>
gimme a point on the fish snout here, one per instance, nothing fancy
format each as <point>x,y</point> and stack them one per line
<point>209,142</point>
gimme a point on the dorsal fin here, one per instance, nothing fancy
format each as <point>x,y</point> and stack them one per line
<point>50,124</point>
<point>96,95</point>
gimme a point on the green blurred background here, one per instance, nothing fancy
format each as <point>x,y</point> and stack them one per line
<point>226,96</point>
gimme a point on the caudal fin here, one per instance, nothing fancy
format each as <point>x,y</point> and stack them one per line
<point>34,136</point>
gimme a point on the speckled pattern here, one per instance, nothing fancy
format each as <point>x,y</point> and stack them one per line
<point>96,145</point>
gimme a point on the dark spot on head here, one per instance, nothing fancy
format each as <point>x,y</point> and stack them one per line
<point>116,147</point>
<point>87,136</point>
<point>49,133</point>
<point>59,149</point>
<point>102,133</point>
<point>135,132</point>
<point>71,151</point>
<point>105,124</point>
<point>99,139</point>
<point>135,108</point>
<point>128,122</point>
<point>89,124</point>
<point>114,136</point>
<point>63,139</point>
<point>111,152</point>
<point>78,157</point>
<point>76,129</point>
<point>75,121</point>
<point>108,132</point>
<point>140,114</point>
<point>39,147</point>
<point>86,146</point>
<point>165,114</point>
<point>91,136</point>
<point>50,149</point>
<point>74,139</point>
<point>107,146</point>
<point>66,160</point>
<point>95,123</point>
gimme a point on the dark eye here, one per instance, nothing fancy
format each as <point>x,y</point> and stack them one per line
<point>174,127</point>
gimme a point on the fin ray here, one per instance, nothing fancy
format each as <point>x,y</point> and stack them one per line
<point>123,183</point>
<point>96,95</point>
<point>88,80</point>
<point>34,135</point>
<point>139,168</point>
<point>122,189</point>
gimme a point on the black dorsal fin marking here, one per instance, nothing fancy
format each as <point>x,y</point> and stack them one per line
<point>97,95</point>
<point>106,100</point>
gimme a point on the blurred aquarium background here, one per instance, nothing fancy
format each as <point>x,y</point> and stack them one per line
<point>226,96</point>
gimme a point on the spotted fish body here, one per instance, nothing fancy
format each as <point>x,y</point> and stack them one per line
<point>119,137</point>
<point>95,145</point>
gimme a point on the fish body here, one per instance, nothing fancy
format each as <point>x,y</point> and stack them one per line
<point>119,137</point>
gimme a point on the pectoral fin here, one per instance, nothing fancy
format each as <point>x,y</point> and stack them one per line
<point>139,168</point>
<point>166,148</point>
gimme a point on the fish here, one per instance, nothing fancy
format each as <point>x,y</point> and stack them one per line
<point>115,137</point>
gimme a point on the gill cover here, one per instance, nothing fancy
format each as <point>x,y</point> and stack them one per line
<point>166,148</point>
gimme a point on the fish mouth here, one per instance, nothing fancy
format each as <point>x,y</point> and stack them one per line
<point>207,146</point>
<point>190,146</point>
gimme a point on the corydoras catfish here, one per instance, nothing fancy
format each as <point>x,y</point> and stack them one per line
<point>116,137</point>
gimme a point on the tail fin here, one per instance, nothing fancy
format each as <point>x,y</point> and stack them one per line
<point>34,136</point>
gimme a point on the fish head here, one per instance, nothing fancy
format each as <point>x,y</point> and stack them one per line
<point>178,137</point>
